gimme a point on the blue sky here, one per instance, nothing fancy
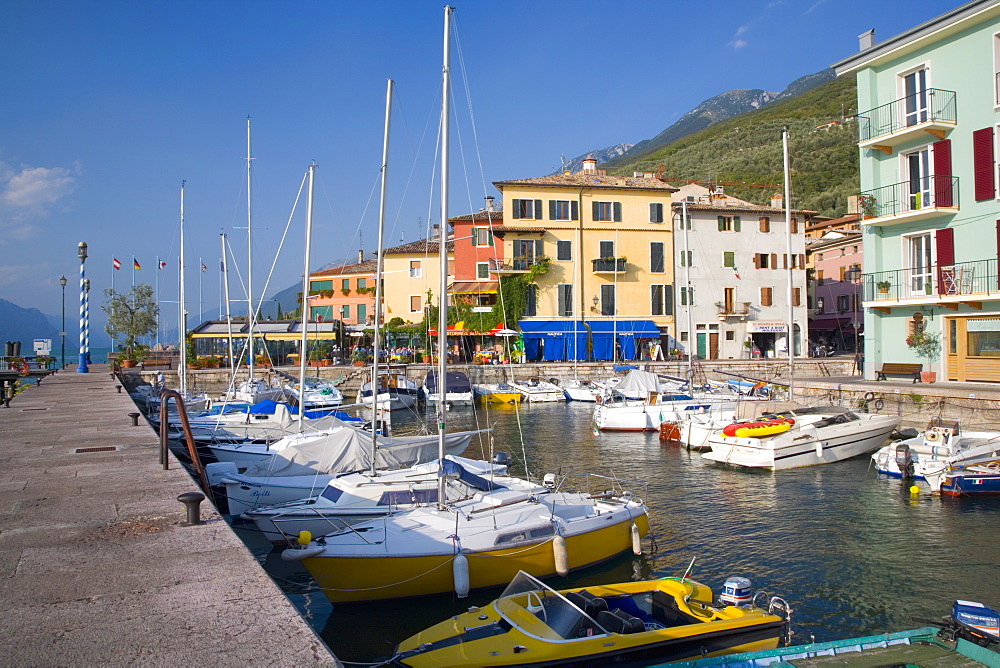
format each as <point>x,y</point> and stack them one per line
<point>108,106</point>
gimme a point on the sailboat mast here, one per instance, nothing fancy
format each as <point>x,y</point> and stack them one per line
<point>225,289</point>
<point>443,254</point>
<point>790,336</point>
<point>250,309</point>
<point>182,369</point>
<point>687,282</point>
<point>378,268</point>
<point>305,299</point>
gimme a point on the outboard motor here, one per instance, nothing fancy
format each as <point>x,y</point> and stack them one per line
<point>976,622</point>
<point>736,591</point>
<point>501,458</point>
<point>904,460</point>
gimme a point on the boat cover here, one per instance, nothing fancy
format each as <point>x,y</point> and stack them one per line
<point>350,450</point>
<point>470,478</point>
<point>638,383</point>
<point>457,382</point>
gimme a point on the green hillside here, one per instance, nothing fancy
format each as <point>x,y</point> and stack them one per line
<point>747,149</point>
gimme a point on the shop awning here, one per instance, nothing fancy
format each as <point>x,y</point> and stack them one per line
<point>558,336</point>
<point>605,332</point>
<point>473,287</point>
<point>828,324</point>
<point>458,329</point>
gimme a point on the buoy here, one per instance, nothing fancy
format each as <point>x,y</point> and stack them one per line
<point>636,540</point>
<point>914,490</point>
<point>305,537</point>
<point>560,554</point>
<point>460,572</point>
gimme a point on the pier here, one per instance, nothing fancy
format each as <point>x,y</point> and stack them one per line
<point>99,566</point>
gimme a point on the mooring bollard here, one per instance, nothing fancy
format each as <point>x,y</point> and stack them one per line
<point>119,388</point>
<point>193,502</point>
<point>135,419</point>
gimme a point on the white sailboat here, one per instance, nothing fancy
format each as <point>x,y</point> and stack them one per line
<point>476,542</point>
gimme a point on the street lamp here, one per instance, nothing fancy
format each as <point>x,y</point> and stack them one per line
<point>81,252</point>
<point>62,334</point>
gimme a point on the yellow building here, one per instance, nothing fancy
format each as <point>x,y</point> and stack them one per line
<point>608,242</point>
<point>413,278</point>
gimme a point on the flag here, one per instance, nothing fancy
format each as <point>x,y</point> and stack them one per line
<point>203,268</point>
<point>163,265</point>
<point>737,272</point>
<point>135,264</point>
<point>116,263</point>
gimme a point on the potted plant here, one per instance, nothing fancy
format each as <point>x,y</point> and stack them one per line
<point>868,206</point>
<point>928,345</point>
<point>359,357</point>
<point>883,286</point>
<point>195,364</point>
<point>315,358</point>
<point>211,361</point>
<point>16,362</point>
<point>44,361</point>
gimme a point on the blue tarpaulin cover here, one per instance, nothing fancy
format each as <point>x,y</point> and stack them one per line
<point>604,333</point>
<point>558,335</point>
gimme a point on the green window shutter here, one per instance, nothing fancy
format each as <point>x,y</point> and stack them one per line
<point>475,236</point>
<point>515,207</point>
<point>736,223</point>
<point>722,223</point>
<point>489,236</point>
<point>596,212</point>
<point>538,250</point>
<point>728,259</point>
<point>617,206</point>
<point>574,209</point>
<point>552,209</point>
<point>668,300</point>
<point>538,209</point>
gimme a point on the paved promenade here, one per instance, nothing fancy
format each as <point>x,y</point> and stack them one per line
<point>96,567</point>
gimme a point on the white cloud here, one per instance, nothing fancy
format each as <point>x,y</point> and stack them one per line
<point>738,43</point>
<point>742,29</point>
<point>37,187</point>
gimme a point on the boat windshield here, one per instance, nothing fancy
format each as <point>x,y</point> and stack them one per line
<point>540,611</point>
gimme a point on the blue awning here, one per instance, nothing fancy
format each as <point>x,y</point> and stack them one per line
<point>554,340</point>
<point>606,332</point>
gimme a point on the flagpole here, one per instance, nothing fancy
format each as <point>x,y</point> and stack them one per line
<point>113,269</point>
<point>201,275</point>
<point>157,297</point>
<point>790,337</point>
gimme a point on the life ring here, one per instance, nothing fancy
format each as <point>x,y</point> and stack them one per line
<point>869,396</point>
<point>879,404</point>
<point>25,369</point>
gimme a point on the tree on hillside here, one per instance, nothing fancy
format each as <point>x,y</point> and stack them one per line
<point>131,315</point>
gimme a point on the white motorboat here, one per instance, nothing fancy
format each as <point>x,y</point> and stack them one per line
<point>535,389</point>
<point>928,456</point>
<point>459,389</point>
<point>394,389</point>
<point>318,393</point>
<point>818,435</point>
<point>356,497</point>
<point>302,470</point>
<point>648,415</point>
<point>254,391</point>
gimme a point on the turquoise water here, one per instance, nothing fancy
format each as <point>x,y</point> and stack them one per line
<point>854,554</point>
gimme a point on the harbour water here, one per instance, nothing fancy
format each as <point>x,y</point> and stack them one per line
<point>853,553</point>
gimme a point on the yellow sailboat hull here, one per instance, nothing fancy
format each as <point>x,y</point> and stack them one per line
<point>500,398</point>
<point>369,578</point>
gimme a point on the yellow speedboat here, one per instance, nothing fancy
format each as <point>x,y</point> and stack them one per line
<point>665,620</point>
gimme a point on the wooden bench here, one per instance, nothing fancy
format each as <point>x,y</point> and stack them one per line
<point>899,369</point>
<point>157,361</point>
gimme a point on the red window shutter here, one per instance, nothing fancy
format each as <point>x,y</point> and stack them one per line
<point>941,151</point>
<point>944,239</point>
<point>982,164</point>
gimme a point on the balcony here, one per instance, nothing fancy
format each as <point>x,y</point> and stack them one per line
<point>739,311</point>
<point>906,119</point>
<point>609,265</point>
<point>910,201</point>
<point>520,264</point>
<point>947,285</point>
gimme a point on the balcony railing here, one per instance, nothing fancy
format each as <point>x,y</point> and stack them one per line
<point>609,265</point>
<point>978,277</point>
<point>740,310</point>
<point>932,105</point>
<point>517,264</point>
<point>910,198</point>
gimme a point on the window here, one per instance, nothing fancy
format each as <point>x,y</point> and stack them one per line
<point>819,257</point>
<point>684,336</point>
<point>917,170</point>
<point>793,225</point>
<point>527,209</point>
<point>687,258</point>
<point>531,301</point>
<point>608,300</point>
<point>564,251</point>
<point>321,285</point>
<point>345,284</point>
<point>819,277</point>
<point>362,310</point>
<point>565,297</point>
<point>796,296</point>
<point>656,212</point>
<point>761,261</point>
<point>482,270</point>
<point>345,312</point>
<point>842,304</point>
<point>415,269</point>
<point>682,223</point>
<point>606,212</point>
<point>687,296</point>
<point>563,209</point>
<point>362,283</point>
<point>729,223</point>
<point>656,258</point>
<point>996,78</point>
<point>765,297</point>
<point>482,236</point>
<point>914,85</point>
<point>661,300</point>
<point>730,335</point>
<point>607,248</point>
<point>765,224</point>
<point>729,259</point>
<point>415,304</point>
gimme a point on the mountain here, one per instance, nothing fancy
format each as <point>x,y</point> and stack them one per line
<point>25,325</point>
<point>600,154</point>
<point>746,148</point>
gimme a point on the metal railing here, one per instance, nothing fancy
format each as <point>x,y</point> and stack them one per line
<point>978,277</point>
<point>933,104</point>
<point>925,193</point>
<point>735,310</point>
<point>517,263</point>
<point>615,264</point>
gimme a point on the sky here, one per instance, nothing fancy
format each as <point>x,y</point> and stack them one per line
<point>106,107</point>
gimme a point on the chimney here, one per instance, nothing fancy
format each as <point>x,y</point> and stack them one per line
<point>489,202</point>
<point>776,200</point>
<point>866,40</point>
<point>361,256</point>
<point>589,165</point>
